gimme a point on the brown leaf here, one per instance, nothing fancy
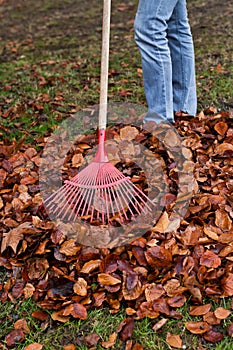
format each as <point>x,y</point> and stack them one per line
<point>210,259</point>
<point>37,268</point>
<point>125,329</point>
<point>128,344</point>
<point>90,266</point>
<point>173,287</point>
<point>28,290</point>
<point>159,324</point>
<point>161,305</point>
<point>77,160</point>
<point>223,147</point>
<point>76,310</point>
<point>162,224</point>
<point>57,316</point>
<point>40,315</point>
<point>198,327</point>
<point>171,139</point>
<point>199,310</point>
<point>158,257</point>
<point>132,293</point>
<point>210,318</point>
<point>227,285</point>
<point>213,336</point>
<point>190,236</point>
<point>99,298</point>
<point>221,128</point>
<point>92,339</point>
<point>131,280</point>
<point>222,220</point>
<point>3,176</point>
<point>230,330</point>
<point>34,346</point>
<point>1,203</point>
<point>154,291</point>
<point>111,341</point>
<point>177,301</point>
<point>107,279</point>
<point>79,311</point>
<point>146,310</point>
<point>129,133</point>
<point>69,347</point>
<point>137,346</point>
<point>222,313</point>
<point>22,324</point>
<point>139,254</point>
<point>15,336</point>
<point>109,263</point>
<point>14,236</point>
<point>174,340</point>
<point>69,248</point>
<point>80,287</point>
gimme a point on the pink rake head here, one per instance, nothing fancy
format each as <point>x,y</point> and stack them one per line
<point>100,191</point>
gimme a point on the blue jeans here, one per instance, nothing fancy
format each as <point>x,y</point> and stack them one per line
<point>163,35</point>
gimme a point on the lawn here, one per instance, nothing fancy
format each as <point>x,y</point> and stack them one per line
<point>50,71</point>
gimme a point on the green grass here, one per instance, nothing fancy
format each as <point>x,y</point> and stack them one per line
<point>54,335</point>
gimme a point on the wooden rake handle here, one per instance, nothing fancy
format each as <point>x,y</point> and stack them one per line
<point>104,64</point>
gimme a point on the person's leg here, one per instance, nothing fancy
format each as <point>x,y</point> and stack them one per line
<point>151,37</point>
<point>182,56</point>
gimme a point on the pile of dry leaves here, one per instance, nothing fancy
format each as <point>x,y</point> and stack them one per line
<point>153,275</point>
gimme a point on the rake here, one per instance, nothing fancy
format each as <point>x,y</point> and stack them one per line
<point>100,191</point>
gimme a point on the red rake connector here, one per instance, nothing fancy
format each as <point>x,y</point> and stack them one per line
<point>101,155</point>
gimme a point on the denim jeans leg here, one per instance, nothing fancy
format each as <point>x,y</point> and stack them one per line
<point>182,56</point>
<point>151,36</point>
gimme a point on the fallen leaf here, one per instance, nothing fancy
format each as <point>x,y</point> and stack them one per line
<point>210,318</point>
<point>92,339</point>
<point>198,327</point>
<point>34,346</point>
<point>28,290</point>
<point>159,324</point>
<point>222,220</point>
<point>199,310</point>
<point>230,330</point>
<point>224,147</point>
<point>221,128</point>
<point>77,160</point>
<point>162,224</point>
<point>210,259</point>
<point>137,346</point>
<point>213,336</point>
<point>129,133</point>
<point>173,287</point>
<point>76,310</point>
<point>177,301</point>
<point>69,347</point>
<point>111,341</point>
<point>125,328</point>
<point>154,291</point>
<point>90,266</point>
<point>40,315</point>
<point>227,285</point>
<point>174,340</point>
<point>56,316</point>
<point>222,313</point>
<point>107,279</point>
<point>80,287</point>
<point>15,336</point>
<point>158,257</point>
<point>69,248</point>
<point>22,324</point>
